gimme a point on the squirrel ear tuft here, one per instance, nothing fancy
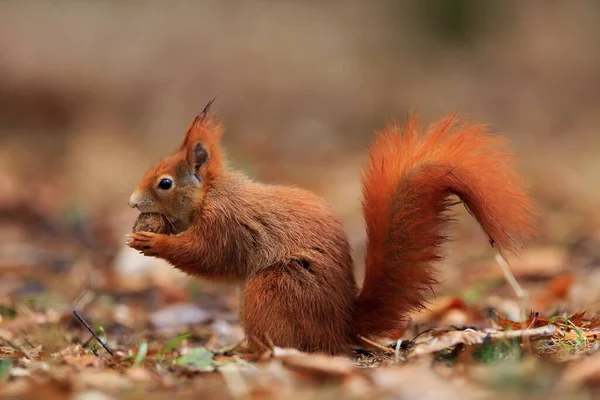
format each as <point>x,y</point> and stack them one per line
<point>197,157</point>
<point>205,113</point>
<point>196,124</point>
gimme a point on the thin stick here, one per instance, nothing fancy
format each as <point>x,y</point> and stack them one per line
<point>28,342</point>
<point>260,343</point>
<point>375,344</point>
<point>91,331</point>
<point>521,294</point>
<point>542,331</point>
<point>505,266</point>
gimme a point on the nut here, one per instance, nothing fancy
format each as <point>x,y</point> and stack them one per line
<point>152,222</point>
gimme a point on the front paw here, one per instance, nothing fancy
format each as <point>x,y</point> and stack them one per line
<point>147,243</point>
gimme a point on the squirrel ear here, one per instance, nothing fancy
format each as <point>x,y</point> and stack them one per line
<point>197,157</point>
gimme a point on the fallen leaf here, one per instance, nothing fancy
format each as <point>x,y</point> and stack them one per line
<point>560,286</point>
<point>318,365</point>
<point>198,359</point>
<point>533,321</point>
<point>557,289</point>
<point>82,361</point>
<point>437,308</point>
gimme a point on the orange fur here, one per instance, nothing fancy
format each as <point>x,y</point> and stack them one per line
<point>406,187</point>
<point>291,251</point>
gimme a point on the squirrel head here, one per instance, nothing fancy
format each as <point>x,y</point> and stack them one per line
<point>175,187</point>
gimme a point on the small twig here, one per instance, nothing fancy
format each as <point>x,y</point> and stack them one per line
<point>91,331</point>
<point>375,344</point>
<point>543,331</point>
<point>83,293</point>
<point>533,320</point>
<point>260,343</point>
<point>422,333</point>
<point>510,278</point>
<point>28,342</point>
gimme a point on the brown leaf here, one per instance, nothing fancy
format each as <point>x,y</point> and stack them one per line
<point>316,365</point>
<point>83,361</point>
<point>533,321</point>
<point>560,286</point>
<point>557,289</point>
<point>438,309</point>
<point>577,318</point>
<point>591,324</point>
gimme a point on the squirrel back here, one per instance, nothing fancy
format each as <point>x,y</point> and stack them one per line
<point>291,252</point>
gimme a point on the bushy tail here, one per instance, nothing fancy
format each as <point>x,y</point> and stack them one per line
<point>407,185</point>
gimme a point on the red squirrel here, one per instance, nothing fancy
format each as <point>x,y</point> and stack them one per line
<point>291,251</point>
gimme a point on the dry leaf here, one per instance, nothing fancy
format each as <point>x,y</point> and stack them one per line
<point>82,361</point>
<point>318,365</point>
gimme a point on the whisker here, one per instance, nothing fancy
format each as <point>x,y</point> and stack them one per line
<point>171,222</point>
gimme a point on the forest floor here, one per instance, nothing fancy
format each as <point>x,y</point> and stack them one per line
<point>83,317</point>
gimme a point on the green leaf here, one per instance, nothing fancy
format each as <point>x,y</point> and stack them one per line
<point>198,358</point>
<point>101,334</point>
<point>7,313</point>
<point>171,345</point>
<point>5,366</point>
<point>141,354</point>
<point>551,320</point>
<point>580,339</point>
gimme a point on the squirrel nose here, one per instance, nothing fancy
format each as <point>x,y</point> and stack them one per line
<point>134,200</point>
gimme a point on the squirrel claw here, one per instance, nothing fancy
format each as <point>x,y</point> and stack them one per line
<point>146,243</point>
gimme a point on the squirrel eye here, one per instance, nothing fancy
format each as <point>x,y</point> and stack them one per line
<point>165,184</point>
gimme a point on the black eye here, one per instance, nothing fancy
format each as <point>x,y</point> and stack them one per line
<point>165,184</point>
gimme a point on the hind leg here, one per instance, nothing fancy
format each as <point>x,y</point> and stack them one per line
<point>289,306</point>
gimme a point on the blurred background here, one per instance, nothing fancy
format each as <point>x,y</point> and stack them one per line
<point>94,93</point>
